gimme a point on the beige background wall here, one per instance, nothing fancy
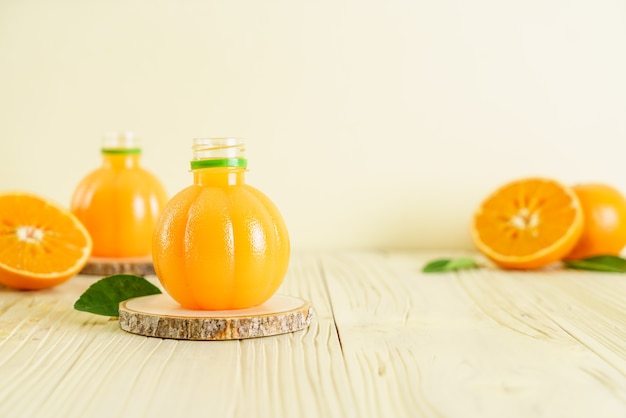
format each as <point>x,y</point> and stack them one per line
<point>371,124</point>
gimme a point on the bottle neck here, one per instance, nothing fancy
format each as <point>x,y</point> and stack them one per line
<point>219,176</point>
<point>120,160</point>
<point>218,162</point>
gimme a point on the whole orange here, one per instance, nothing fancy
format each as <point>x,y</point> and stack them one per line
<point>604,223</point>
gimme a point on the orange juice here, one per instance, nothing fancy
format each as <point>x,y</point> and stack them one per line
<point>119,203</point>
<point>220,243</point>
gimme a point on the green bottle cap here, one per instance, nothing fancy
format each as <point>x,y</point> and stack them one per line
<point>219,162</point>
<point>122,142</point>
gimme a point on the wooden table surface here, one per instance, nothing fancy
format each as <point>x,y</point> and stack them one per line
<point>386,341</point>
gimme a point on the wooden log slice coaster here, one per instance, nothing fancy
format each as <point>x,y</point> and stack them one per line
<point>100,266</point>
<point>162,317</point>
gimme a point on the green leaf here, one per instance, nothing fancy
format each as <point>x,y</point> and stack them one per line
<point>607,263</point>
<point>104,296</point>
<point>449,264</point>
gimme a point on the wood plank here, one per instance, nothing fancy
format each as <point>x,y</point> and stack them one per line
<point>497,343</point>
<point>55,361</point>
<point>385,340</point>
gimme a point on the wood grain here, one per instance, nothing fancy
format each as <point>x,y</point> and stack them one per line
<point>161,317</point>
<point>386,340</point>
<point>498,343</point>
<point>99,266</point>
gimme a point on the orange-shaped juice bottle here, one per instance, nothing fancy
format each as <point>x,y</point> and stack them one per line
<point>220,244</point>
<point>119,203</point>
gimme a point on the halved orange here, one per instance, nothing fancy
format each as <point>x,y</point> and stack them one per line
<point>528,223</point>
<point>41,243</point>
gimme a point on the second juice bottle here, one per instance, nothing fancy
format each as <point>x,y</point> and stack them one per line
<point>119,203</point>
